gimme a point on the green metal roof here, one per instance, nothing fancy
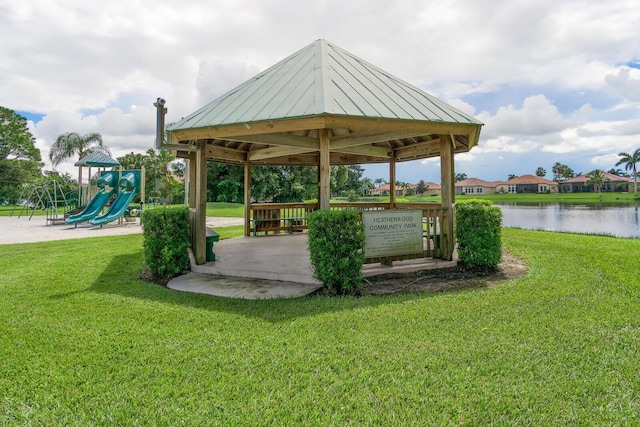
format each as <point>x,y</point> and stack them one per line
<point>97,158</point>
<point>322,79</point>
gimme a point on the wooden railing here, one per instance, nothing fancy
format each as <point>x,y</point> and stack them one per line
<point>277,217</point>
<point>437,227</point>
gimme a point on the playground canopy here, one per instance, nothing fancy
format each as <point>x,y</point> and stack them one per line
<point>320,106</point>
<point>97,159</point>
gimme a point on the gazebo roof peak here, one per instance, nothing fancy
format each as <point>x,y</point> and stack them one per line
<point>279,116</point>
<point>322,79</point>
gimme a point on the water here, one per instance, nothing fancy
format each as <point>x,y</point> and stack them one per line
<point>616,219</point>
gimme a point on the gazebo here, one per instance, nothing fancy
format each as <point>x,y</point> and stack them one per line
<point>321,106</point>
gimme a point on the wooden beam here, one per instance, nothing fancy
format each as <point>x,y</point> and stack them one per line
<point>392,183</point>
<point>280,139</point>
<point>420,150</point>
<point>447,191</point>
<point>366,150</point>
<point>324,167</point>
<point>415,127</point>
<point>192,180</point>
<point>214,152</point>
<point>271,152</point>
<point>247,198</point>
<point>256,128</point>
<point>199,249</point>
<point>370,138</point>
<point>294,160</point>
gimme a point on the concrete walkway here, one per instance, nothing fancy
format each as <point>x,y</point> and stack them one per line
<point>25,230</point>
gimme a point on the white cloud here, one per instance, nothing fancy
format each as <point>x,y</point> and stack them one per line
<point>100,69</point>
<point>626,82</point>
<point>537,116</point>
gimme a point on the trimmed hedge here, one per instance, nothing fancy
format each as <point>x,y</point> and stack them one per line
<point>336,241</point>
<point>478,232</point>
<point>166,240</point>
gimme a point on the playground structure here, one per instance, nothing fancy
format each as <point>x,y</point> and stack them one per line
<point>48,196</point>
<point>129,184</point>
<point>100,200</point>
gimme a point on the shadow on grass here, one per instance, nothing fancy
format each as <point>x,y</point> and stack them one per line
<point>122,277</point>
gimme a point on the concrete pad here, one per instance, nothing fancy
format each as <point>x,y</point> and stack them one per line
<point>240,287</point>
<point>283,258</point>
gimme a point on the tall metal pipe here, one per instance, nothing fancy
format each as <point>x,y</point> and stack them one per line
<point>161,111</point>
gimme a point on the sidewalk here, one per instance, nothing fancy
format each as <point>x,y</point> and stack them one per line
<point>25,230</point>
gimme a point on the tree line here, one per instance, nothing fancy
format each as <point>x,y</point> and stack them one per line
<point>21,162</point>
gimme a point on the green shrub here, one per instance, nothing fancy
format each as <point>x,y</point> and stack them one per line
<point>336,240</point>
<point>166,239</point>
<point>352,196</point>
<point>478,232</point>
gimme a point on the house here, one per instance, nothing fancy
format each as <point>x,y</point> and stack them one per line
<point>476,186</point>
<point>527,184</point>
<point>383,190</point>
<point>433,189</point>
<point>611,183</point>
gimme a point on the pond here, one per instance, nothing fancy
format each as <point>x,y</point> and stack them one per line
<point>615,219</point>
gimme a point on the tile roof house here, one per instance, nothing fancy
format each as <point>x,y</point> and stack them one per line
<point>612,183</point>
<point>383,190</point>
<point>476,186</point>
<point>528,184</point>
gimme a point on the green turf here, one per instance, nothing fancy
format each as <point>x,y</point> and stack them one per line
<point>86,342</point>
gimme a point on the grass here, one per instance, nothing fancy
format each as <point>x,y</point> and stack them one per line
<point>224,209</point>
<point>86,342</point>
<point>227,210</point>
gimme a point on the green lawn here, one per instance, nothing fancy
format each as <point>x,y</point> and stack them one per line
<point>86,342</point>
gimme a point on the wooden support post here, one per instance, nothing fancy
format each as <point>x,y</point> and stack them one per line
<point>324,170</point>
<point>247,197</point>
<point>186,182</point>
<point>392,183</point>
<point>191,197</point>
<point>200,223</point>
<point>447,190</point>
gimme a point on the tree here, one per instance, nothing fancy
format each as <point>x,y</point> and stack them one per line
<point>630,162</point>
<point>354,181</point>
<point>618,172</point>
<point>460,177</point>
<point>131,161</point>
<point>338,179</point>
<point>511,176</point>
<point>379,181</point>
<point>561,172</point>
<point>71,143</point>
<point>20,160</point>
<point>367,185</point>
<point>597,178</point>
<point>541,172</point>
<point>421,187</point>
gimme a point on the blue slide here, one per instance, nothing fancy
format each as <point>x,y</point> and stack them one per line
<point>128,190</point>
<point>99,201</point>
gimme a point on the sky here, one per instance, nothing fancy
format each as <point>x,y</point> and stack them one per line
<point>552,81</point>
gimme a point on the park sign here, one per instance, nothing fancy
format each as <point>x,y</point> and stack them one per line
<point>392,233</point>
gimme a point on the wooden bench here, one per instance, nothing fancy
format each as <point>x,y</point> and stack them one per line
<point>293,224</point>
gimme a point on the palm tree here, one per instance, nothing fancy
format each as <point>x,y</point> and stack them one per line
<point>596,178</point>
<point>72,143</point>
<point>630,161</point>
<point>379,181</point>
